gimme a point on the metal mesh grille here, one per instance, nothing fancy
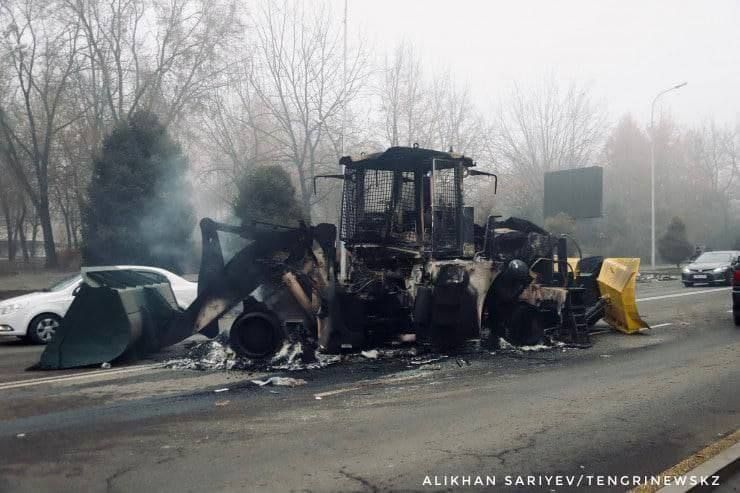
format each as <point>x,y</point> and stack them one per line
<point>403,227</point>
<point>379,205</point>
<point>372,217</point>
<point>447,208</point>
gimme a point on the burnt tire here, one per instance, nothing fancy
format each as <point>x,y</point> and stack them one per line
<point>256,335</point>
<point>42,328</point>
<point>526,326</point>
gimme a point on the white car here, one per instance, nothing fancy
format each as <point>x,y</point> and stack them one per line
<point>36,316</point>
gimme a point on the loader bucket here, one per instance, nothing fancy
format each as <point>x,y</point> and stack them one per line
<point>107,323</point>
<point>617,280</point>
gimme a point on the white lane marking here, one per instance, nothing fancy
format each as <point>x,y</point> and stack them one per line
<point>77,376</point>
<point>321,395</point>
<point>676,295</point>
<point>661,325</point>
<point>368,384</point>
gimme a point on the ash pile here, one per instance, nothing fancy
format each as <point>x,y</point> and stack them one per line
<point>215,355</point>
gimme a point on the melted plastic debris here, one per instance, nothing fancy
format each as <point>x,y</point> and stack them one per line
<point>216,355</point>
<point>292,357</point>
<point>209,355</point>
<point>426,361</point>
<point>280,382</point>
<point>536,347</point>
<point>504,345</point>
<point>288,357</point>
<point>296,356</point>
<point>371,354</point>
<point>398,352</point>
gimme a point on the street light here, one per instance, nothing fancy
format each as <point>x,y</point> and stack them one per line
<point>652,171</point>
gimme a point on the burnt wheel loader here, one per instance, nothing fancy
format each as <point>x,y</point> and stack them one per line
<point>416,267</point>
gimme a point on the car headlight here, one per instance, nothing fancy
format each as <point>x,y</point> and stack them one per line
<point>13,307</point>
<point>720,269</point>
<point>686,270</point>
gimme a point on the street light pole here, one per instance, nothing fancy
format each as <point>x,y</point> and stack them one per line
<point>652,171</point>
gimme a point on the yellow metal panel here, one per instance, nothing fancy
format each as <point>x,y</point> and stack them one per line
<point>617,281</point>
<point>574,262</point>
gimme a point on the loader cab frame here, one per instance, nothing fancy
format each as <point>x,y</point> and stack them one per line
<point>407,199</point>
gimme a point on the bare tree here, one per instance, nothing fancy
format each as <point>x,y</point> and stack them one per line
<point>452,121</point>
<point>164,65</point>
<point>713,152</point>
<point>434,111</point>
<point>298,79</point>
<point>548,129</point>
<point>401,94</point>
<point>42,49</point>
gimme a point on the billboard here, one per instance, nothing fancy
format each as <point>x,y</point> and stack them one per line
<point>577,192</point>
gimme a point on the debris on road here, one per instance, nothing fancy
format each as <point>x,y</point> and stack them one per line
<point>536,347</point>
<point>280,382</point>
<point>209,355</point>
<point>655,276</point>
<point>425,361</point>
<point>290,354</point>
<point>371,354</point>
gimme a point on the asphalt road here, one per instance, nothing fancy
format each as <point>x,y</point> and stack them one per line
<point>631,405</point>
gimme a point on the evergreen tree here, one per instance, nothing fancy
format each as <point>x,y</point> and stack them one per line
<point>139,209</point>
<point>266,194</point>
<point>673,246</point>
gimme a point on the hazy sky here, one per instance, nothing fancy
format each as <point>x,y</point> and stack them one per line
<point>626,51</point>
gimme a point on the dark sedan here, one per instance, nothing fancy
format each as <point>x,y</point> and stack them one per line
<point>710,268</point>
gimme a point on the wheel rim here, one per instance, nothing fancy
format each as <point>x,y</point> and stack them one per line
<point>46,328</point>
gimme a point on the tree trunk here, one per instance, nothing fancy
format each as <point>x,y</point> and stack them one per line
<point>305,192</point>
<point>8,226</point>
<point>12,245</point>
<point>68,230</point>
<point>21,232</point>
<point>75,240</point>
<point>48,232</point>
<point>34,234</point>
<point>11,240</point>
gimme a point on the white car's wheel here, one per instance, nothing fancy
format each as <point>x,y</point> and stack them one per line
<point>42,328</point>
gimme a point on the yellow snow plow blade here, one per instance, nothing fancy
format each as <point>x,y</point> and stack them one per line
<point>617,281</point>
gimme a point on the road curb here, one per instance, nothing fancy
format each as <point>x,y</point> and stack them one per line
<point>721,458</point>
